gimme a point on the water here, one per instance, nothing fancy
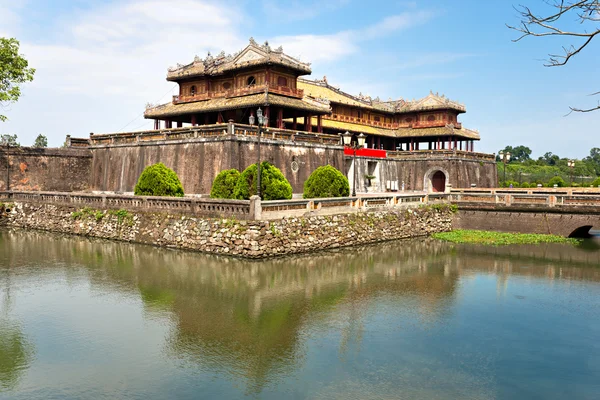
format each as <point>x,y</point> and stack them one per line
<point>422,319</point>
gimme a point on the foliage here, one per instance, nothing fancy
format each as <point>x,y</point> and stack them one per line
<point>326,181</point>
<point>10,140</point>
<point>584,12</point>
<point>224,184</point>
<point>517,154</point>
<point>274,186</point>
<point>499,238</point>
<point>507,184</point>
<point>596,182</point>
<point>14,71</point>
<point>41,141</point>
<point>158,180</point>
<point>558,181</point>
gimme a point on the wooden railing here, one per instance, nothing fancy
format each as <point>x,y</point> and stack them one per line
<point>284,90</point>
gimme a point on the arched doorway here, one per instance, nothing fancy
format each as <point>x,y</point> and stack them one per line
<point>438,182</point>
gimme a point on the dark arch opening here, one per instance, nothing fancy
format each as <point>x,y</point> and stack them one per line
<point>438,182</point>
<point>583,232</point>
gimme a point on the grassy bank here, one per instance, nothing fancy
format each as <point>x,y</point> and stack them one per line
<point>499,238</point>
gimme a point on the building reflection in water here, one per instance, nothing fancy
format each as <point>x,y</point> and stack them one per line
<point>248,318</point>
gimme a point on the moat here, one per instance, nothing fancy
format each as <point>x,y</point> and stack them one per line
<point>423,319</point>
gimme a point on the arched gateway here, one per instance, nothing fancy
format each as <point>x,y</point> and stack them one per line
<point>436,180</point>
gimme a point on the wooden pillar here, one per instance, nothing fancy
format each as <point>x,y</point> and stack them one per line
<point>295,126</point>
<point>472,145</point>
<point>168,124</point>
<point>320,124</point>
<point>156,124</point>
<point>267,115</point>
<point>460,144</point>
<point>194,121</point>
<point>379,142</point>
<point>449,143</point>
<point>219,118</point>
<point>306,122</point>
<point>412,144</point>
<point>454,143</point>
<point>437,146</point>
<point>280,118</point>
<point>179,124</point>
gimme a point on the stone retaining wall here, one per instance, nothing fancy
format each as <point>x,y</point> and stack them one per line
<point>251,239</point>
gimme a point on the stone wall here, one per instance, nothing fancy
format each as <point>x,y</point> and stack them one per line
<point>460,171</point>
<point>545,221</point>
<point>197,161</point>
<point>251,239</point>
<point>36,169</point>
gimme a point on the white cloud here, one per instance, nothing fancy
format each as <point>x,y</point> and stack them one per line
<point>326,48</point>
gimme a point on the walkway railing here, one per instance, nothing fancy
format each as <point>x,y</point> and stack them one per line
<point>253,209</point>
<point>523,198</point>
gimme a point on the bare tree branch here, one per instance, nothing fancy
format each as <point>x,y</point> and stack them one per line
<point>586,12</point>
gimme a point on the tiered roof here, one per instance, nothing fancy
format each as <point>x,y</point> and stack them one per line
<point>253,55</point>
<point>321,89</point>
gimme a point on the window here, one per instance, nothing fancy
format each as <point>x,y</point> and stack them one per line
<point>408,120</point>
<point>251,81</point>
<point>227,85</point>
<point>193,90</point>
<point>377,119</point>
<point>282,81</point>
<point>431,118</point>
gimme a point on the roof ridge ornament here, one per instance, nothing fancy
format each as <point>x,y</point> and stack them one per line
<point>253,42</point>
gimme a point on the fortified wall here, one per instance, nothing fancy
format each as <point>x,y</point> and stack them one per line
<point>114,162</point>
<point>41,169</point>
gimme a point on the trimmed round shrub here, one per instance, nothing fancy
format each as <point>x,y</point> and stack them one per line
<point>506,184</point>
<point>224,184</point>
<point>558,181</point>
<point>326,181</point>
<point>273,185</point>
<point>596,182</point>
<point>526,185</point>
<point>158,180</point>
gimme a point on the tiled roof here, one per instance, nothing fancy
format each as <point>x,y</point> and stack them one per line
<point>320,89</point>
<point>252,55</point>
<point>219,104</point>
<point>441,131</point>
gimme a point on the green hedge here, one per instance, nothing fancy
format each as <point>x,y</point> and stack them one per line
<point>158,180</point>
<point>224,184</point>
<point>326,181</point>
<point>596,182</point>
<point>274,186</point>
<point>557,180</point>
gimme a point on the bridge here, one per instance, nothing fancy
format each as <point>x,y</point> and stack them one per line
<point>566,212</point>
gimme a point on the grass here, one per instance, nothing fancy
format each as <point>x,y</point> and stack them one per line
<point>499,238</point>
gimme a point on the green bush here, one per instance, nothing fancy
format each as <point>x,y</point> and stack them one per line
<point>557,180</point>
<point>224,184</point>
<point>326,181</point>
<point>158,180</point>
<point>506,184</point>
<point>273,185</point>
<point>526,185</point>
<point>596,182</point>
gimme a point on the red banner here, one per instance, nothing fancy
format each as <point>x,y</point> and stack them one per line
<point>365,152</point>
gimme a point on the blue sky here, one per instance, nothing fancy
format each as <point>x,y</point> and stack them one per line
<point>99,62</point>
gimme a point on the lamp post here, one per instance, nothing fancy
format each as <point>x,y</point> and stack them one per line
<point>360,143</point>
<point>262,121</point>
<point>571,164</point>
<point>505,157</point>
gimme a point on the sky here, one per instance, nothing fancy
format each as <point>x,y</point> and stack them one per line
<point>100,62</point>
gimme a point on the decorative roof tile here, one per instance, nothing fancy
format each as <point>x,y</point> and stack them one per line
<point>252,55</point>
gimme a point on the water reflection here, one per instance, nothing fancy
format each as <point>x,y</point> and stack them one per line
<point>250,321</point>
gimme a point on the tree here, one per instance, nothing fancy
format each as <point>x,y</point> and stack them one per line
<point>14,71</point>
<point>585,12</point>
<point>326,181</point>
<point>558,181</point>
<point>518,154</point>
<point>41,141</point>
<point>550,159</point>
<point>224,184</point>
<point>273,184</point>
<point>158,180</point>
<point>9,140</point>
